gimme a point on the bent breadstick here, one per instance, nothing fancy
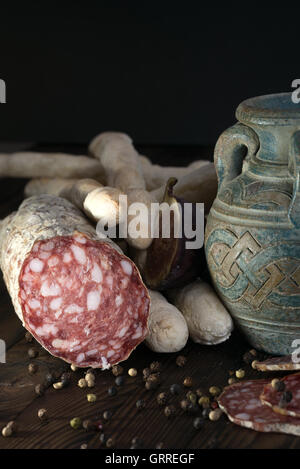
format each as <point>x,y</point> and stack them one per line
<point>123,170</point>
<point>168,330</point>
<point>157,176</point>
<point>199,185</point>
<point>29,164</point>
<point>100,203</point>
<point>80,297</point>
<point>207,319</point>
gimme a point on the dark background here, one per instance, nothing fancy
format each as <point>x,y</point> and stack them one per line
<point>165,72</point>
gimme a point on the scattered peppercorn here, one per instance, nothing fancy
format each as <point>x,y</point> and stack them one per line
<point>107,414</point>
<point>84,446</point>
<point>188,382</point>
<point>136,443</point>
<point>73,367</point>
<point>88,425</point>
<point>12,425</point>
<point>247,358</point>
<point>39,389</point>
<point>32,368</point>
<point>28,337</point>
<point>58,385</point>
<point>119,381</point>
<point>159,445</point>
<point>102,438</point>
<point>112,391</point>
<point>152,382</point>
<point>162,398</point>
<point>110,443</point>
<point>231,372</point>
<point>65,379</point>
<point>175,389</point>
<point>192,397</point>
<point>253,352</point>
<point>75,423</point>
<point>49,379</point>
<point>232,380</point>
<point>7,431</point>
<point>140,404</point>
<point>215,414</point>
<point>89,377</point>
<point>155,367</point>
<point>82,383</point>
<point>169,411</point>
<point>42,414</point>
<point>181,361</point>
<point>146,373</point>
<point>132,372</point>
<point>214,391</point>
<point>184,404</point>
<point>117,370</point>
<point>32,353</point>
<point>205,412</point>
<point>278,385</point>
<point>204,401</point>
<point>198,423</point>
<point>240,374</point>
<point>91,397</point>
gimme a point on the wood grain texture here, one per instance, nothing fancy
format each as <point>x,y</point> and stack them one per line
<point>207,365</point>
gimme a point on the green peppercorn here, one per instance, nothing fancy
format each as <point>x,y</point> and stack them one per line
<point>240,374</point>
<point>214,391</point>
<point>204,401</point>
<point>75,423</point>
<point>192,397</point>
<point>91,397</point>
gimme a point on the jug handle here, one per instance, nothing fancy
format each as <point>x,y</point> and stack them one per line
<point>294,170</point>
<point>231,148</point>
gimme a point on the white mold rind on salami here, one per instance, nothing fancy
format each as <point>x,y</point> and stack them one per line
<point>277,364</point>
<point>241,402</point>
<point>72,291</point>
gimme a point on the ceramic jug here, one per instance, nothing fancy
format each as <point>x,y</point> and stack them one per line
<point>252,238</point>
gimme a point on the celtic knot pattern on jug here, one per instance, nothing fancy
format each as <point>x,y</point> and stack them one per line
<point>246,271</point>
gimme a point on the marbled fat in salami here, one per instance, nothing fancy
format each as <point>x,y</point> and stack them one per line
<point>241,402</point>
<point>272,398</point>
<point>80,297</point>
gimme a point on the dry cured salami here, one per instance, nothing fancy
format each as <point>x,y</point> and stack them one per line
<point>80,297</point>
<point>277,364</point>
<point>241,402</point>
<point>274,399</point>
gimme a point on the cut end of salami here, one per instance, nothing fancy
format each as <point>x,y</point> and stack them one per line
<point>83,301</point>
<point>286,363</point>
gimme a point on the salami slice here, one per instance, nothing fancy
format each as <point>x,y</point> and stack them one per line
<point>277,364</point>
<point>80,297</point>
<point>272,398</point>
<point>241,402</point>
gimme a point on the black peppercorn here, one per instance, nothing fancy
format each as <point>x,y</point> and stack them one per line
<point>117,370</point>
<point>206,412</point>
<point>146,373</point>
<point>152,382</point>
<point>278,385</point>
<point>198,423</point>
<point>181,361</point>
<point>107,414</point>
<point>49,379</point>
<point>285,398</point>
<point>119,381</point>
<point>184,404</point>
<point>39,389</point>
<point>112,391</point>
<point>140,404</point>
<point>32,368</point>
<point>175,389</point>
<point>65,378</point>
<point>192,408</point>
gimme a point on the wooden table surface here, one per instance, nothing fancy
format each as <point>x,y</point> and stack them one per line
<point>207,365</point>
